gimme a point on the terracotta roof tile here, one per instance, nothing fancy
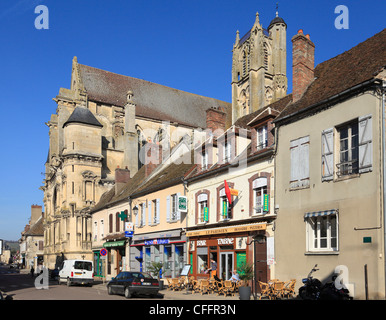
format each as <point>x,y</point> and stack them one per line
<point>355,66</point>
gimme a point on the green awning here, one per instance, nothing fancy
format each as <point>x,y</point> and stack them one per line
<point>114,244</point>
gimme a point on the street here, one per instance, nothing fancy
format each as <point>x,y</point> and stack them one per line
<point>21,286</point>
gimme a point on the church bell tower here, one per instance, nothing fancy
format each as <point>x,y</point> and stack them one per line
<point>259,67</point>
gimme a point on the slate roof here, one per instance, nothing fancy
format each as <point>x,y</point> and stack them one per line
<point>152,100</point>
<point>37,229</point>
<point>170,175</point>
<point>353,67</point>
<point>82,115</point>
<point>277,106</point>
<point>110,197</point>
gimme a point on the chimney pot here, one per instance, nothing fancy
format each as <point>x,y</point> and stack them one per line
<point>303,51</point>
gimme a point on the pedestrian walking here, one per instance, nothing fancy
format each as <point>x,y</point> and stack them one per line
<point>32,272</point>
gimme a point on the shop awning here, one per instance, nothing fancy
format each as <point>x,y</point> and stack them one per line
<point>114,244</point>
<point>320,213</point>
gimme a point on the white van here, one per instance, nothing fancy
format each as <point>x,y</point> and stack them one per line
<point>76,271</point>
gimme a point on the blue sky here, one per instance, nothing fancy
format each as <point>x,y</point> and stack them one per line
<point>182,44</point>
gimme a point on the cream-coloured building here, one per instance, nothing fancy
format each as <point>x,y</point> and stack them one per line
<point>330,169</point>
<point>103,122</point>
<point>241,156</point>
<point>148,201</point>
<point>32,239</point>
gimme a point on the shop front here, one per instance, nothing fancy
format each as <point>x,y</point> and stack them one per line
<point>229,247</point>
<point>108,263</point>
<point>167,247</point>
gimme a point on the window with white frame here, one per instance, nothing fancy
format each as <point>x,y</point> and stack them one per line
<point>227,151</point>
<point>95,230</point>
<point>353,153</point>
<point>322,231</point>
<point>260,196</point>
<point>262,137</point>
<point>204,160</point>
<point>154,212</point>
<point>348,149</point>
<point>174,207</point>
<point>203,214</point>
<point>142,221</point>
<point>224,205</point>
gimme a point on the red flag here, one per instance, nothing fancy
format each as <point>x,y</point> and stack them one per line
<point>228,192</point>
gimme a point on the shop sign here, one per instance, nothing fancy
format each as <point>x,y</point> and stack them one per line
<point>266,203</point>
<point>156,241</point>
<point>183,204</point>
<point>201,243</point>
<point>225,241</point>
<point>129,226</point>
<point>206,214</point>
<point>242,228</point>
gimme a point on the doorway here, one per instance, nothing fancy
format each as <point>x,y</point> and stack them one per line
<point>226,265</point>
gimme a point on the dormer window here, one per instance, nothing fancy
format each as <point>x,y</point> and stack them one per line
<point>262,138</point>
<point>227,151</point>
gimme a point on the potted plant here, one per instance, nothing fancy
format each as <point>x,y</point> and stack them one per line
<point>156,269</point>
<point>245,271</point>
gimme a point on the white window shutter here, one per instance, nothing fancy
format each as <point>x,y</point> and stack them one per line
<point>168,209</point>
<point>158,211</point>
<point>365,131</point>
<point>294,149</point>
<point>178,211</point>
<point>149,211</point>
<point>328,154</point>
<point>304,157</point>
<point>144,214</point>
<point>136,219</point>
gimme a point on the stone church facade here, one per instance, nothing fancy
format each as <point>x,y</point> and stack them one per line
<point>101,123</point>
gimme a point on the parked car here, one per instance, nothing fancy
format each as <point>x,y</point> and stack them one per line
<point>76,271</point>
<point>132,283</point>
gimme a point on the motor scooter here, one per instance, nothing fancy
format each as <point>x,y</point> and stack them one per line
<point>313,289</point>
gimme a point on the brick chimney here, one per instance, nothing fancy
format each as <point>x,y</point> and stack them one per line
<point>36,213</point>
<point>122,176</point>
<point>303,52</point>
<point>215,121</point>
<point>153,157</point>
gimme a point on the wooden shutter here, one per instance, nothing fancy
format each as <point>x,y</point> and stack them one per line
<point>158,211</point>
<point>178,211</point>
<point>328,154</point>
<point>111,223</point>
<point>149,205</point>
<point>168,208</point>
<point>365,130</point>
<point>137,216</point>
<point>300,172</point>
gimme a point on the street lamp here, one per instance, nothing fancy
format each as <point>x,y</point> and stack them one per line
<point>135,210</point>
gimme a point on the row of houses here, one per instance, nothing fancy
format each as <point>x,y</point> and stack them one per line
<point>308,178</point>
<point>282,181</point>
